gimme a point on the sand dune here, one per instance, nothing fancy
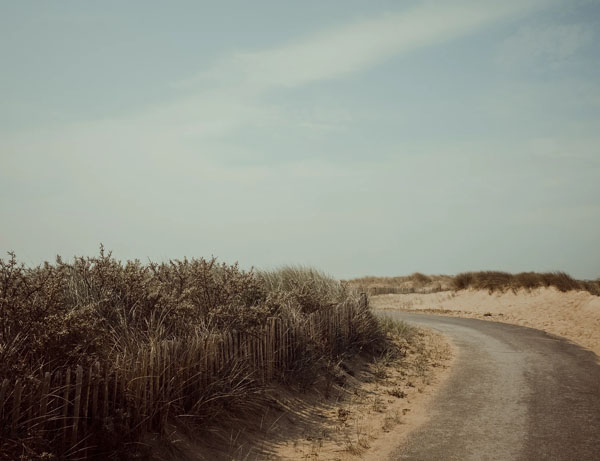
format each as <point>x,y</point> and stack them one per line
<point>574,315</point>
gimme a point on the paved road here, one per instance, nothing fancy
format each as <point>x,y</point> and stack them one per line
<point>514,393</point>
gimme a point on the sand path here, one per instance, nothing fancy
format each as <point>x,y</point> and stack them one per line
<point>513,393</point>
<point>574,315</point>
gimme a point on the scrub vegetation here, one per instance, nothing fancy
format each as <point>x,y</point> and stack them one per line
<point>504,281</point>
<point>414,283</point>
<point>98,311</point>
<point>483,280</point>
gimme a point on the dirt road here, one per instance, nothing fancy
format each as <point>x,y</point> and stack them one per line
<point>514,394</point>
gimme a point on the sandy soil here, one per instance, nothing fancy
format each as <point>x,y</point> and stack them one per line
<point>574,315</point>
<point>371,417</point>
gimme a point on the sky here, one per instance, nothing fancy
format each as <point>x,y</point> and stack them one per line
<point>362,138</point>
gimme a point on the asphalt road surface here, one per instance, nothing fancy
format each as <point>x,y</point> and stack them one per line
<point>514,393</point>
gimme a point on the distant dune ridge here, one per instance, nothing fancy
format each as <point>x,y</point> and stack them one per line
<point>414,283</point>
<point>553,302</point>
<point>483,280</point>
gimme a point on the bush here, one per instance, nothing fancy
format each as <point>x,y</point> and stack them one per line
<point>59,315</point>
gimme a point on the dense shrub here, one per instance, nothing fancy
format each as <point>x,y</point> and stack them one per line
<point>67,313</point>
<point>98,309</point>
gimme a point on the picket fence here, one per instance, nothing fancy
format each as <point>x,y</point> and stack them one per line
<point>68,406</point>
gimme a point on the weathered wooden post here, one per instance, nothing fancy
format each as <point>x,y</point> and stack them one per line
<point>77,404</point>
<point>16,410</point>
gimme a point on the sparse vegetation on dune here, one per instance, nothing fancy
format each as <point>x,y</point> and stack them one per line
<point>414,283</point>
<point>503,281</point>
<point>483,280</point>
<point>101,312</point>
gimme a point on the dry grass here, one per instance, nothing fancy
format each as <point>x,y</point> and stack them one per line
<point>99,309</point>
<point>484,280</point>
<point>504,281</point>
<point>414,283</point>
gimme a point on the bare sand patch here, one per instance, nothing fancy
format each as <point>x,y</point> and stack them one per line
<point>574,315</point>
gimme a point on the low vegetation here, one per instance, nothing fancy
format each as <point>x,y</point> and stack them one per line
<point>504,281</point>
<point>124,317</point>
<point>414,283</point>
<point>484,280</point>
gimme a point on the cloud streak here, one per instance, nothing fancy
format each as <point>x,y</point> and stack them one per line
<point>228,94</point>
<point>354,47</point>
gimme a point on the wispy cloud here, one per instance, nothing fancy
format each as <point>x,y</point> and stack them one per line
<point>227,95</point>
<point>349,48</point>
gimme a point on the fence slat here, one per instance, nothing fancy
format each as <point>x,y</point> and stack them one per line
<point>106,395</point>
<point>44,400</point>
<point>115,379</point>
<point>221,353</point>
<point>230,354</point>
<point>29,405</point>
<point>165,395</point>
<point>139,395</point>
<point>150,394</point>
<point>158,368</point>
<point>253,353</point>
<point>95,386</point>
<point>280,350</point>
<point>16,410</point>
<point>3,403</point>
<point>55,405</point>
<point>264,345</point>
<point>77,403</point>
<point>85,394</point>
<point>65,411</point>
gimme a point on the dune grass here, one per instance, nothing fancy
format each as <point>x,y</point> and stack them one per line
<point>503,281</point>
<point>414,283</point>
<point>482,280</point>
<point>98,309</point>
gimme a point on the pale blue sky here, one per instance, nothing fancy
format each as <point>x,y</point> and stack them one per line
<point>360,137</point>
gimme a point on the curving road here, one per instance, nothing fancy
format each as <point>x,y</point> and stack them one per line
<point>514,393</point>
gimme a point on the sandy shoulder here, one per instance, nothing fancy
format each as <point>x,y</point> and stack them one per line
<point>574,315</point>
<point>371,418</point>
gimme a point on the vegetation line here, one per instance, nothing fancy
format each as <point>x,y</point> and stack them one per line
<point>483,280</point>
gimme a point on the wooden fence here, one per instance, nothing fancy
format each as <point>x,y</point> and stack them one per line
<point>67,407</point>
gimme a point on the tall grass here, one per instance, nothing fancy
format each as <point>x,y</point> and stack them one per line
<point>98,309</point>
<point>310,288</point>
